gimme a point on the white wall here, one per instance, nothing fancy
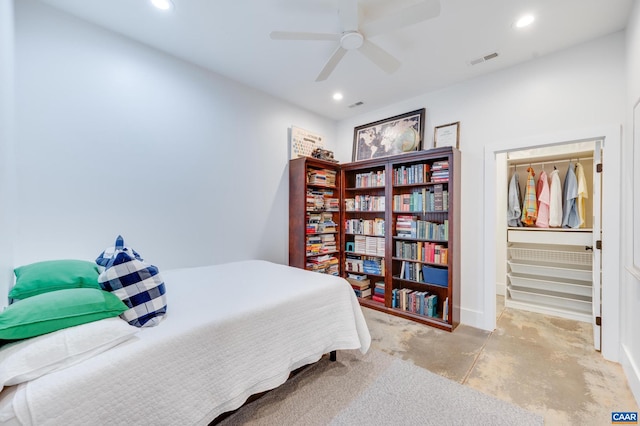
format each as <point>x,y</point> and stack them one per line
<point>630,282</point>
<point>577,88</point>
<point>117,138</point>
<point>7,186</point>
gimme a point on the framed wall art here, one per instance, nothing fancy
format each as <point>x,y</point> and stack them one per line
<point>391,136</point>
<point>303,143</point>
<point>447,135</point>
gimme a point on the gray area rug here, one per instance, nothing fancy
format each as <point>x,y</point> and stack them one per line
<point>376,389</point>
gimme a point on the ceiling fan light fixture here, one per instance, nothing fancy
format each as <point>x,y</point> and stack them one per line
<point>162,4</point>
<point>337,96</point>
<point>351,40</point>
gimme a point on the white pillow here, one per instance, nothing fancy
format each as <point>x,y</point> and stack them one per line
<point>31,358</point>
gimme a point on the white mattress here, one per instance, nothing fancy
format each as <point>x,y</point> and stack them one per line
<point>231,330</point>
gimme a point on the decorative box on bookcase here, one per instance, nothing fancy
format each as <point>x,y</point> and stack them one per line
<point>314,215</point>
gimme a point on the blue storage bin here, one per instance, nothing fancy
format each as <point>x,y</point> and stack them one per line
<point>437,276</point>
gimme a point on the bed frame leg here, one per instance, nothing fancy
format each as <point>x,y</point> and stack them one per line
<point>332,356</point>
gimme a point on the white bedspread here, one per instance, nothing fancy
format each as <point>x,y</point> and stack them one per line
<point>231,330</point>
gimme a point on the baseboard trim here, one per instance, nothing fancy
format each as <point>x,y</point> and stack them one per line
<point>474,319</point>
<point>501,289</point>
<point>632,372</point>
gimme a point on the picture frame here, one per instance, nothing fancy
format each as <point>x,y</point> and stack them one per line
<point>303,142</point>
<point>390,136</point>
<point>447,135</point>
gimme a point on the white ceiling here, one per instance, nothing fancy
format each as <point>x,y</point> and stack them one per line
<point>231,37</point>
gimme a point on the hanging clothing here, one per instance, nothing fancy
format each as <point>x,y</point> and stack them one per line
<point>513,208</point>
<point>530,204</point>
<point>543,195</point>
<point>555,200</point>
<point>583,193</point>
<point>570,218</point>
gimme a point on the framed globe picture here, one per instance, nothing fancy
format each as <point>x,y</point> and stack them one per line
<point>391,136</point>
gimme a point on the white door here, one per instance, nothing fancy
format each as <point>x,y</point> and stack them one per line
<point>597,252</point>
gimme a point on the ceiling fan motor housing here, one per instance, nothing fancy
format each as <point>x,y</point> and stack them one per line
<point>351,40</point>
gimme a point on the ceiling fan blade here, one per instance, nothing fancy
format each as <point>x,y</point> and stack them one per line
<point>379,56</point>
<point>286,35</point>
<point>331,63</point>
<point>402,18</point>
<point>349,15</point>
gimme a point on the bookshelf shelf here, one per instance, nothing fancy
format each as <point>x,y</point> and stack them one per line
<point>367,253</point>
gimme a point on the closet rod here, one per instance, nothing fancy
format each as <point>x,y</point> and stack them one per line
<point>549,163</point>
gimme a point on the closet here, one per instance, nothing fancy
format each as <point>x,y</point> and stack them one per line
<point>555,270</point>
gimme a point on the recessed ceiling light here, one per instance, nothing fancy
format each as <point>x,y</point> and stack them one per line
<point>337,96</point>
<point>526,20</point>
<point>162,4</point>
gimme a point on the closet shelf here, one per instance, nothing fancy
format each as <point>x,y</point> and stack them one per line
<point>551,256</point>
<point>548,269</point>
<point>559,285</point>
<point>576,303</point>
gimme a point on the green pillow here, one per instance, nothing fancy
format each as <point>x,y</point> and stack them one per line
<point>51,275</point>
<point>56,310</point>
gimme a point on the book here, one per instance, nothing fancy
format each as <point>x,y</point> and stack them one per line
<point>378,298</point>
<point>359,285</point>
<point>357,277</point>
<point>363,294</point>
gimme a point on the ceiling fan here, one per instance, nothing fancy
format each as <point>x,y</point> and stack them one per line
<point>355,35</point>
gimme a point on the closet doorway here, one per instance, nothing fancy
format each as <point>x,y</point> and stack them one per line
<point>551,261</point>
<point>604,301</point>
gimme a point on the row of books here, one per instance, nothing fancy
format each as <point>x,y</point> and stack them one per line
<point>320,222</point>
<point>365,203</point>
<point>411,227</point>
<point>373,246</point>
<point>365,226</point>
<point>361,285</point>
<point>378,292</point>
<point>440,171</point>
<point>326,264</point>
<point>320,244</point>
<point>416,271</point>
<point>418,302</point>
<point>434,199</point>
<point>364,264</point>
<point>322,199</point>
<point>422,252</point>
<point>407,175</point>
<point>371,179</point>
<point>321,177</point>
<point>411,271</point>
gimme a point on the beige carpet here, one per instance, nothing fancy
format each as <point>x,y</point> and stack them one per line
<point>376,389</point>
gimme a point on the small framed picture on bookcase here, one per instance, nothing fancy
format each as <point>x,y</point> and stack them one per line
<point>447,135</point>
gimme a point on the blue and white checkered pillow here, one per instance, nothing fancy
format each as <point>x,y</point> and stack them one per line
<point>138,284</point>
<point>109,252</point>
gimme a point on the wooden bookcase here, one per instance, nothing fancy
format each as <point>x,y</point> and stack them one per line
<point>376,229</point>
<point>314,205</point>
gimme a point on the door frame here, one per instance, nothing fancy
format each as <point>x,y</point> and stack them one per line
<point>610,220</point>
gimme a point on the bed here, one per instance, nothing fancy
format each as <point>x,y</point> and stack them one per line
<point>230,331</point>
